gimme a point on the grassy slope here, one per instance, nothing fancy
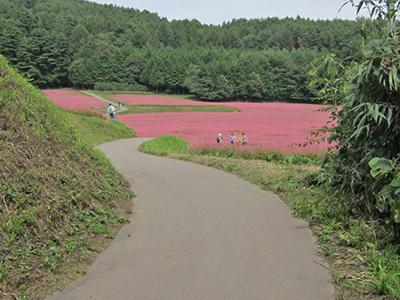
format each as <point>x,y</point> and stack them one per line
<point>362,266</point>
<point>59,198</point>
<point>104,94</point>
<point>97,129</point>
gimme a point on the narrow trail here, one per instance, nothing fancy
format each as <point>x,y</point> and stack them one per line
<point>120,108</point>
<point>200,233</point>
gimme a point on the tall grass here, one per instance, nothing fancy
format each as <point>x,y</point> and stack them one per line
<point>256,154</point>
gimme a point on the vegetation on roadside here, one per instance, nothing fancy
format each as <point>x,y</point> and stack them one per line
<point>60,200</point>
<point>140,108</point>
<point>97,129</point>
<point>163,145</point>
<point>362,267</point>
<point>363,170</point>
<point>257,154</point>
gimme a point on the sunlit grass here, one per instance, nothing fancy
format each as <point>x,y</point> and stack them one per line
<point>181,96</point>
<point>164,145</point>
<point>97,129</point>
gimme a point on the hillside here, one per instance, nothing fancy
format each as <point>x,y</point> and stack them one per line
<point>61,43</point>
<point>60,200</point>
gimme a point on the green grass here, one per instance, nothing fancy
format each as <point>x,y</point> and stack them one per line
<point>140,109</point>
<point>59,198</point>
<point>257,154</point>
<point>362,264</point>
<point>164,145</point>
<point>97,129</point>
<point>181,96</point>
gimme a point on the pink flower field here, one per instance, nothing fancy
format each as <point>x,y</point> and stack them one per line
<point>73,100</point>
<point>128,99</point>
<point>271,126</point>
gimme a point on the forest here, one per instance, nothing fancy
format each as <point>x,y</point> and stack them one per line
<point>77,43</point>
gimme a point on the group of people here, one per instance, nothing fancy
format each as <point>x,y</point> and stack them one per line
<point>243,140</point>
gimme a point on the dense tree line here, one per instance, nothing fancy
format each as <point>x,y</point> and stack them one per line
<point>59,43</point>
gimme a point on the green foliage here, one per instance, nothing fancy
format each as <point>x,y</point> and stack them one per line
<point>143,108</point>
<point>50,200</point>
<point>169,144</point>
<point>116,86</point>
<point>97,129</point>
<point>58,43</point>
<point>164,145</point>
<point>385,268</point>
<point>366,135</point>
<point>259,154</point>
<point>387,173</point>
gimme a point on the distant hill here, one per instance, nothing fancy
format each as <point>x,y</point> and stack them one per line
<point>59,43</point>
<point>57,194</point>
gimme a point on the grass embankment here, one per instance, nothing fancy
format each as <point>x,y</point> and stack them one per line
<point>104,94</point>
<point>97,129</point>
<point>60,200</point>
<point>362,265</point>
<point>142,109</point>
<point>146,108</point>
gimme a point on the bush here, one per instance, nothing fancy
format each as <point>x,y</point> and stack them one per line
<point>164,145</point>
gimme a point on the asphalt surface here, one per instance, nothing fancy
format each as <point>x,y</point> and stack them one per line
<point>200,233</point>
<point>120,108</point>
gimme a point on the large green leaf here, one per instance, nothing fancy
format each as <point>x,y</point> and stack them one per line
<point>372,46</point>
<point>396,180</point>
<point>380,167</point>
<point>396,211</point>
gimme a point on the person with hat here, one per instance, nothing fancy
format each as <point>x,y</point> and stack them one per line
<point>219,138</point>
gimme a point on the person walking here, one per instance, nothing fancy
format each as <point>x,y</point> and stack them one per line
<point>232,138</point>
<point>244,139</point>
<point>111,111</point>
<point>219,138</point>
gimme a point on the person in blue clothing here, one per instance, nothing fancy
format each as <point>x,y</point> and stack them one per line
<point>244,139</point>
<point>232,138</point>
<point>111,111</point>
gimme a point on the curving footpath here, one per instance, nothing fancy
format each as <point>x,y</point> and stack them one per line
<point>120,108</point>
<point>200,233</point>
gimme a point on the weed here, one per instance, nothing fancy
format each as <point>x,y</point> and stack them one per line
<point>385,268</point>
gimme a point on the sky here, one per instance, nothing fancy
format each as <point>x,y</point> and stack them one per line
<point>217,11</point>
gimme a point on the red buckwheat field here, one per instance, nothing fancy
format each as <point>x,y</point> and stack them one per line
<point>271,126</point>
<point>73,100</point>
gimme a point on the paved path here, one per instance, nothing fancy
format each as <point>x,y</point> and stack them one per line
<point>200,233</point>
<point>120,108</point>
